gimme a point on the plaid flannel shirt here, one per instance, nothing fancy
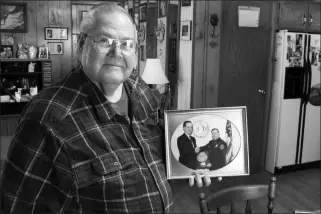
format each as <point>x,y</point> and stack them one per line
<point>72,153</point>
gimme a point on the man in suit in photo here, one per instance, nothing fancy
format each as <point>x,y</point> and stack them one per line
<point>186,145</point>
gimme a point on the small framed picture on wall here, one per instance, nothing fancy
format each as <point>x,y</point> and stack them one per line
<point>162,8</point>
<point>186,3</point>
<point>185,33</point>
<point>56,48</point>
<point>43,53</point>
<point>56,33</point>
<point>143,12</point>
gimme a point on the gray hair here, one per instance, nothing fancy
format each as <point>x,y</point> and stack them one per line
<point>89,21</point>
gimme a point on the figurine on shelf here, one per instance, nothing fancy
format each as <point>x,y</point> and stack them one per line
<point>31,67</point>
<point>33,91</point>
<point>9,52</point>
<point>32,51</point>
<point>22,52</point>
<point>3,54</point>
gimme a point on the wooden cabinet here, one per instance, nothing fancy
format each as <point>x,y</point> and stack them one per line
<point>299,16</point>
<point>18,85</point>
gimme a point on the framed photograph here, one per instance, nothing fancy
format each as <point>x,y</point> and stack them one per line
<point>186,30</point>
<point>83,14</point>
<point>162,8</point>
<point>56,48</point>
<point>43,53</point>
<point>6,51</point>
<point>211,141</point>
<point>186,3</point>
<point>56,33</point>
<point>13,17</point>
<point>143,12</point>
<point>4,48</point>
<point>56,16</point>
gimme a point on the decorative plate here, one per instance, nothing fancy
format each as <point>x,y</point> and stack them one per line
<point>200,128</point>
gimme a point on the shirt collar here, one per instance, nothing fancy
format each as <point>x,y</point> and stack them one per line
<point>134,89</point>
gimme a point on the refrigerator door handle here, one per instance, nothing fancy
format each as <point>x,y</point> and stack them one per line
<point>309,70</point>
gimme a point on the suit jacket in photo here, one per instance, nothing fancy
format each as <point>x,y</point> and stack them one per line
<point>186,147</point>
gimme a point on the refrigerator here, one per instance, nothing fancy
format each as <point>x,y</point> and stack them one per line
<point>294,122</point>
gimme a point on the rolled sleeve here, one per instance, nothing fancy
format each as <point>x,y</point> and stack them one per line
<point>36,177</point>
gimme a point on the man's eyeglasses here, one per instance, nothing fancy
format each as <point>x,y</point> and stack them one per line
<point>103,44</point>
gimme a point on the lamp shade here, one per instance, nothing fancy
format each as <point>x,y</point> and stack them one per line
<point>154,73</point>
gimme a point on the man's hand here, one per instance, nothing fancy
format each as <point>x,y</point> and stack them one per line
<point>201,180</point>
<point>197,149</point>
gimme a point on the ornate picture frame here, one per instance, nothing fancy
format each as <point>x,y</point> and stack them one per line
<point>211,141</point>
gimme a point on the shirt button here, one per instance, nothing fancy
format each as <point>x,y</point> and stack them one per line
<point>116,163</point>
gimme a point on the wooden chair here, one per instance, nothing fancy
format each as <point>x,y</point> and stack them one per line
<point>235,194</point>
<point>306,212</point>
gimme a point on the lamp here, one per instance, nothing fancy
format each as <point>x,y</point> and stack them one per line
<point>154,74</point>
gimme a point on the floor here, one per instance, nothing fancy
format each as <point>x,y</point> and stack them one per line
<point>296,190</point>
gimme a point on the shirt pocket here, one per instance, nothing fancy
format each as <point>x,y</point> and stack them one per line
<point>107,165</point>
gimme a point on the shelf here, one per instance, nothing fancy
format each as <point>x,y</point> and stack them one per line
<point>12,108</point>
<point>20,74</point>
<point>23,60</point>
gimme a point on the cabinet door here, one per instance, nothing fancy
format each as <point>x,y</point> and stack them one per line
<point>314,18</point>
<point>293,15</point>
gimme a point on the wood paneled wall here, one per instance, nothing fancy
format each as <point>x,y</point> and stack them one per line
<point>38,19</point>
<point>206,58</point>
<point>185,63</point>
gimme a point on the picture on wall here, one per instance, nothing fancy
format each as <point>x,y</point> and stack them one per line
<point>186,30</point>
<point>55,16</point>
<point>83,14</point>
<point>186,3</point>
<point>56,48</point>
<point>143,12</point>
<point>162,8</point>
<point>211,141</point>
<point>55,33</point>
<point>13,17</point>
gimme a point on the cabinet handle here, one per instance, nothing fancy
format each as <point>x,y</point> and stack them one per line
<point>311,19</point>
<point>304,19</point>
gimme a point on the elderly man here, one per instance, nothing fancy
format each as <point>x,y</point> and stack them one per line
<point>93,142</point>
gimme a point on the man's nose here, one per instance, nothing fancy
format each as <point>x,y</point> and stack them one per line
<point>115,51</point>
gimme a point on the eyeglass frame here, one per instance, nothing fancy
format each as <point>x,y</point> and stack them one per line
<point>115,42</point>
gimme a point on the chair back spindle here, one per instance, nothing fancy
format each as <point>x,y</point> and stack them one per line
<point>235,194</point>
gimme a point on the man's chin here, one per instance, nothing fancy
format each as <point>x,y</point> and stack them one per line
<point>113,76</point>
